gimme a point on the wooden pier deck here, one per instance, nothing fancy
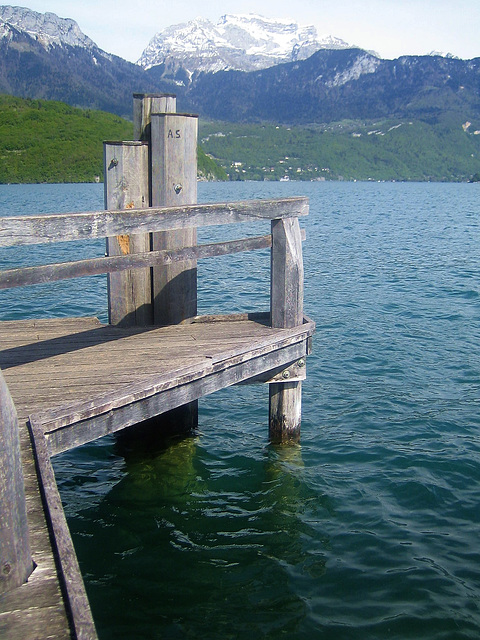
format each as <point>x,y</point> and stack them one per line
<point>67,381</point>
<point>73,380</point>
<point>60,390</point>
<point>78,379</point>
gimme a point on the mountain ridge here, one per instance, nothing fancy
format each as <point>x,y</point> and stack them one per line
<point>334,85</point>
<point>47,28</point>
<point>43,56</point>
<point>236,42</point>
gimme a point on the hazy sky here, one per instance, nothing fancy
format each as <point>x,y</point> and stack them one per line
<point>389,27</point>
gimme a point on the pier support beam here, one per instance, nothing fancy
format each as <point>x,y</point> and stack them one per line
<point>15,557</point>
<point>286,311</point>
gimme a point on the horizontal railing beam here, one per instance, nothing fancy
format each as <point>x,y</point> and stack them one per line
<point>64,227</point>
<point>25,276</point>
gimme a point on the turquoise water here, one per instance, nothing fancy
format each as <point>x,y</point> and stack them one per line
<point>368,529</point>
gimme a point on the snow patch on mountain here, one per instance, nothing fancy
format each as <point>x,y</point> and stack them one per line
<point>240,42</point>
<point>47,28</point>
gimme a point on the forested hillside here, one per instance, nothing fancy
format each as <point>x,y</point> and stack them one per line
<point>446,149</point>
<point>46,141</point>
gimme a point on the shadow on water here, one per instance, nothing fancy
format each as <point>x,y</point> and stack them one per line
<point>188,542</point>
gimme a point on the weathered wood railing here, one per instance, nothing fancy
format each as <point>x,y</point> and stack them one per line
<point>15,558</point>
<point>284,239</point>
<point>286,303</point>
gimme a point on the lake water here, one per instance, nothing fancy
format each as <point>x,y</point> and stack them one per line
<point>371,527</point>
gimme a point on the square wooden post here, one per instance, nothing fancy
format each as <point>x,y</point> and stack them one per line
<point>286,310</point>
<point>144,104</point>
<point>127,187</point>
<point>15,557</point>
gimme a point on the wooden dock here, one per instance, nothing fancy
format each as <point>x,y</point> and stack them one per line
<point>65,382</point>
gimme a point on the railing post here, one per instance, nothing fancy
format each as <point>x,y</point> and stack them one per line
<point>15,557</point>
<point>286,310</point>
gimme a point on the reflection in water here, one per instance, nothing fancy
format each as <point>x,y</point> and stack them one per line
<point>197,542</point>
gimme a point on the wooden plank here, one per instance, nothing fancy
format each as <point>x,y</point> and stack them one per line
<point>126,187</point>
<point>170,372</point>
<point>95,266</point>
<point>293,372</point>
<point>80,352</point>
<point>81,615</point>
<point>37,605</point>
<point>286,307</point>
<point>45,228</point>
<point>15,555</point>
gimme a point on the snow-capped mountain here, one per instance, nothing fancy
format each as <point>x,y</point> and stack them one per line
<point>236,42</point>
<point>46,28</point>
<point>44,56</point>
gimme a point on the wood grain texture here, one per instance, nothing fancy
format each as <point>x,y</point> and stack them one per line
<point>53,370</point>
<point>46,228</point>
<point>144,104</point>
<point>69,570</point>
<point>174,182</point>
<point>95,266</point>
<point>15,557</point>
<point>286,308</point>
<point>126,187</point>
<point>36,609</point>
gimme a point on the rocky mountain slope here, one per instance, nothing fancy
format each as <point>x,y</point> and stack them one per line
<point>44,56</point>
<point>47,28</point>
<point>344,84</point>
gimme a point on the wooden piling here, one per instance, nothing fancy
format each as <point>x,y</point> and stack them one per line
<point>172,177</point>
<point>126,187</point>
<point>144,104</point>
<point>174,182</point>
<point>15,557</point>
<point>286,311</point>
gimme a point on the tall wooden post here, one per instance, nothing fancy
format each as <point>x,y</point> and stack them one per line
<point>286,309</point>
<point>144,104</point>
<point>15,557</point>
<point>172,140</point>
<point>126,187</point>
<point>174,182</point>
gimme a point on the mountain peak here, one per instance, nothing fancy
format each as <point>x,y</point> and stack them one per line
<point>47,28</point>
<point>244,42</point>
